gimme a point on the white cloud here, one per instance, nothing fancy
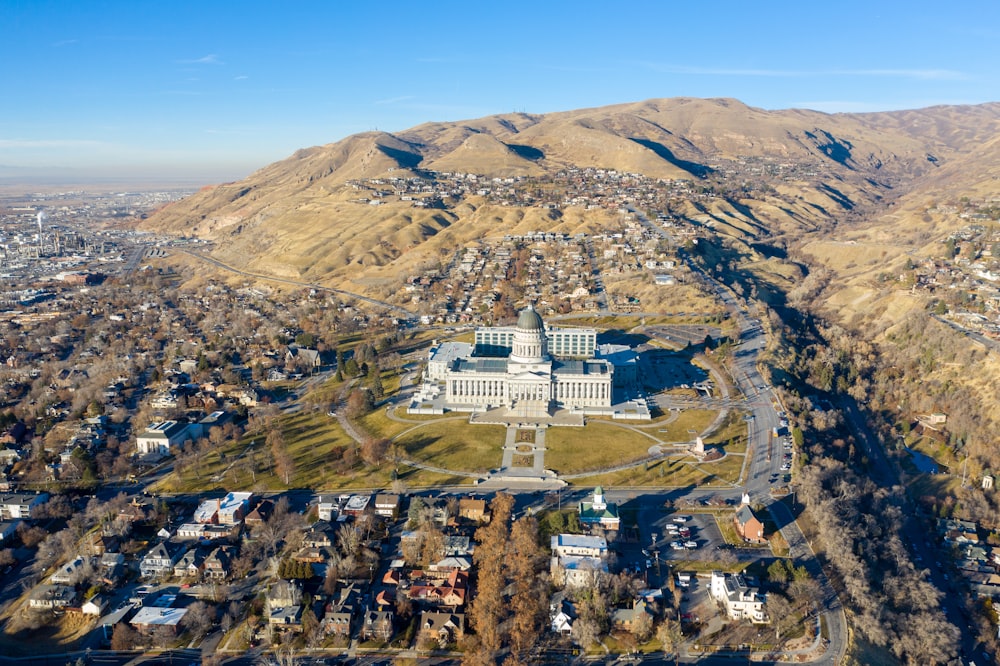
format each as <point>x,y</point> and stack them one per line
<point>210,59</point>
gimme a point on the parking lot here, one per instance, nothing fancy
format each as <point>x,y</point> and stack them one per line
<point>704,533</point>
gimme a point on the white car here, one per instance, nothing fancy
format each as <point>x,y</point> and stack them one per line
<point>681,519</point>
<point>690,544</point>
<point>677,545</point>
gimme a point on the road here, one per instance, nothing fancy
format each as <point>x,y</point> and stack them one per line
<point>765,456</point>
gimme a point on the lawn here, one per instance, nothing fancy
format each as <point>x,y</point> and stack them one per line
<point>680,429</point>
<point>734,430</point>
<point>598,445</point>
<point>323,457</point>
<point>661,473</point>
<point>455,444</point>
<point>725,471</point>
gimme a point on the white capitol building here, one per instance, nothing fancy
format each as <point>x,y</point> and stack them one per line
<point>527,370</point>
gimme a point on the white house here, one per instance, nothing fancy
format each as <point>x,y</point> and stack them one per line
<point>741,602</point>
<point>21,505</point>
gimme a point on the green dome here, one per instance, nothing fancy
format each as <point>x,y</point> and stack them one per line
<point>529,320</point>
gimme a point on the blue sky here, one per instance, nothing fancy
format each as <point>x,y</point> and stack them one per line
<point>214,90</point>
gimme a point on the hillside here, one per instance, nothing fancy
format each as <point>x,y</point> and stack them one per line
<point>333,214</point>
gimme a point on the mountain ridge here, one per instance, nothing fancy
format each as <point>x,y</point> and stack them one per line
<point>316,215</point>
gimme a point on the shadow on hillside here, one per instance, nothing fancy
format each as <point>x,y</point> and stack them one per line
<point>526,152</point>
<point>695,169</point>
<point>407,160</point>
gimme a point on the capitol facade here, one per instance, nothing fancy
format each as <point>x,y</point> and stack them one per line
<point>526,369</point>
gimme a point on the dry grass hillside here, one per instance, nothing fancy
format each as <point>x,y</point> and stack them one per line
<point>853,192</point>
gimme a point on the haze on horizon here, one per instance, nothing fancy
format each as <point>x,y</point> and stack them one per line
<point>214,91</point>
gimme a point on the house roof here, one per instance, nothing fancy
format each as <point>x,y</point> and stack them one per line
<point>157,615</point>
<point>745,514</point>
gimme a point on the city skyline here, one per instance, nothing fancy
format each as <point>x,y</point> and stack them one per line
<point>211,93</point>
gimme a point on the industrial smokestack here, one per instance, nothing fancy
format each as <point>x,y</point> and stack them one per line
<point>41,219</point>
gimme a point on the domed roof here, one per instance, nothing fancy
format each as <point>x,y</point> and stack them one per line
<point>530,320</point>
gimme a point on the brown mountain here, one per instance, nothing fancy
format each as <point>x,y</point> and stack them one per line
<point>329,214</point>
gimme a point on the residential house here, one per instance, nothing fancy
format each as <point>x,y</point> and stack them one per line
<point>189,565</point>
<point>260,514</point>
<point>94,606</point>
<point>452,591</point>
<point>8,528</point>
<point>562,614</point>
<point>748,525</point>
<point>110,566</point>
<point>449,564</point>
<point>456,545</point>
<point>52,596</point>
<point>341,610</point>
<point>473,510</point>
<point>958,531</point>
<point>626,619</point>
<point>387,505</point>
<point>320,534</point>
<point>377,625</point>
<point>740,600</point>
<point>21,505</point>
<point>442,627</point>
<point>218,564</point>
<point>284,609</point>
<point>159,561</point>
<point>70,573</point>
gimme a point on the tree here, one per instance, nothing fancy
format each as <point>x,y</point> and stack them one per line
<point>670,637</point>
<point>124,637</point>
<point>373,450</point>
<point>642,626</point>
<point>359,403</point>
<point>779,611</point>
<point>488,610</point>
<point>377,390</point>
<point>777,572</point>
<point>199,619</point>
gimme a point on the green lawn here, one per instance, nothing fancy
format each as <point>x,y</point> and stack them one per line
<point>455,444</point>
<point>595,446</point>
